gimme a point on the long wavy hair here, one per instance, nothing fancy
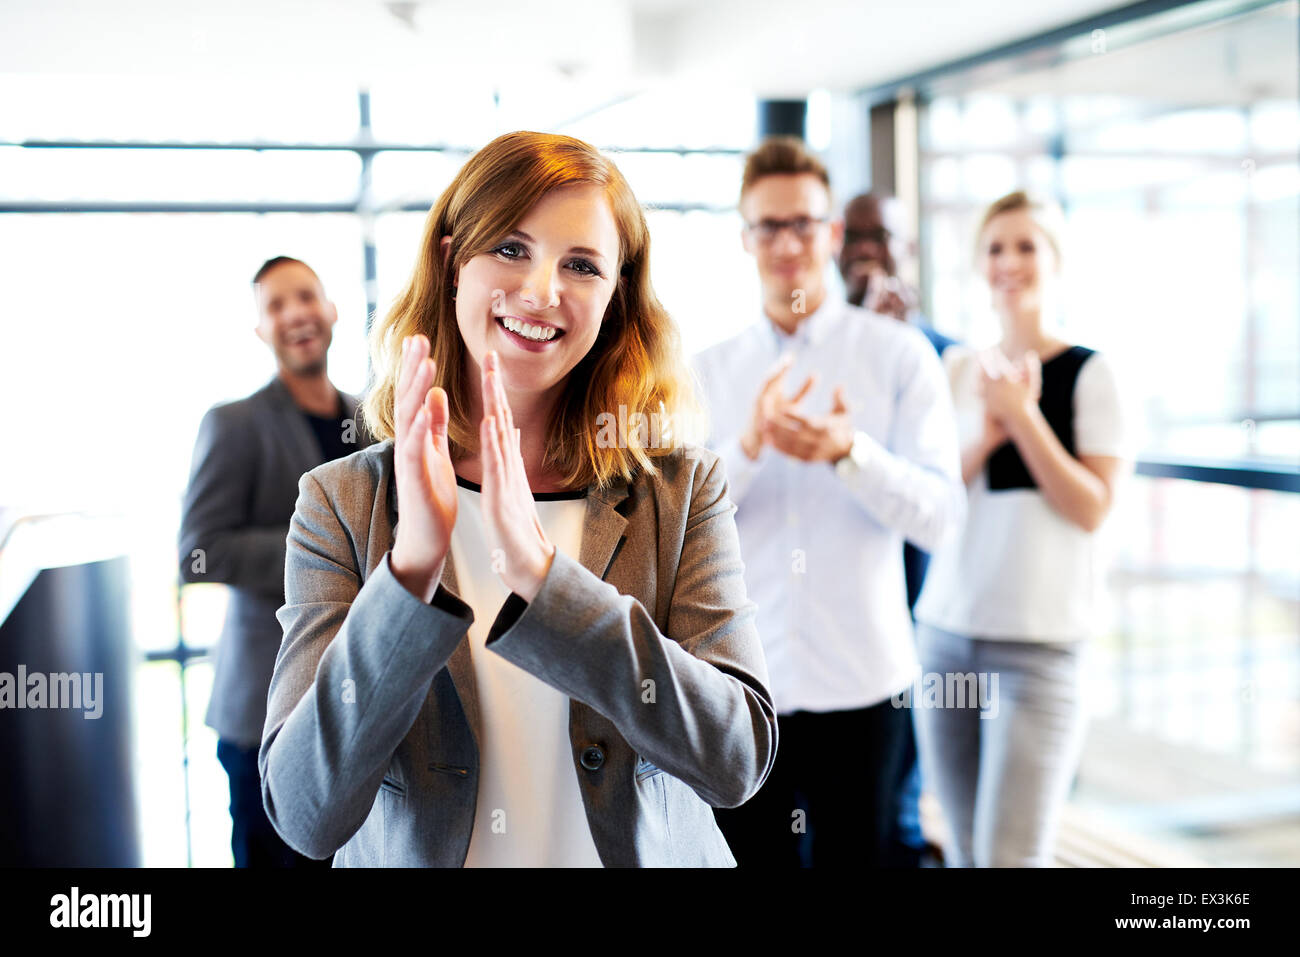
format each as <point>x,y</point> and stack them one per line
<point>636,361</point>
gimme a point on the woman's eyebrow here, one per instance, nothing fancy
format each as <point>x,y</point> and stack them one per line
<point>585,250</point>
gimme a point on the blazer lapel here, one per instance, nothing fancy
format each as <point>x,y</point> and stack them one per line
<point>297,434</point>
<point>604,527</point>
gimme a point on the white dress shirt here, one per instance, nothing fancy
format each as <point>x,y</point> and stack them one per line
<point>529,811</point>
<point>824,552</point>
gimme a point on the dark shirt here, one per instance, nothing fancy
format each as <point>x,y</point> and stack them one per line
<point>329,433</point>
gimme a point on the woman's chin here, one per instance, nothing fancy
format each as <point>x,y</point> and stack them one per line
<point>528,373</point>
<point>1015,300</point>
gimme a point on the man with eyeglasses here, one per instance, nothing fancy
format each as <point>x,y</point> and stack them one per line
<point>827,482</point>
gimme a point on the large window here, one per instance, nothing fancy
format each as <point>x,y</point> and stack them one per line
<point>1172,145</point>
<point>1175,159</point>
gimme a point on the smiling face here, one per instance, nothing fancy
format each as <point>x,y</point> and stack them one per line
<point>867,247</point>
<point>1016,259</point>
<point>538,296</point>
<point>294,318</point>
<point>787,261</point>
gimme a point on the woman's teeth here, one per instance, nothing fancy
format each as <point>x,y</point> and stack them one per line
<point>535,333</point>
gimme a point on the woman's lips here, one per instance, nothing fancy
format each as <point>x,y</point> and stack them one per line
<point>529,345</point>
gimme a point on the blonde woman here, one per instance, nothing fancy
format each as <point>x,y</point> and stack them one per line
<point>509,640</point>
<point>1012,602</point>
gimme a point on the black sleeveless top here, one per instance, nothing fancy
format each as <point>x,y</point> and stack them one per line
<point>1005,468</point>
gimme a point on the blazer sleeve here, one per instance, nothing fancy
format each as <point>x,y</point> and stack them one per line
<point>707,718</point>
<point>214,513</point>
<point>354,669</point>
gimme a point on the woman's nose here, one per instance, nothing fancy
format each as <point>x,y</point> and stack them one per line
<point>540,290</point>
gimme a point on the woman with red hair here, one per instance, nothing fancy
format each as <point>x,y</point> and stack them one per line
<point>511,638</point>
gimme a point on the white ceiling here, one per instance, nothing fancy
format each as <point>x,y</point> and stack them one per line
<point>601,48</point>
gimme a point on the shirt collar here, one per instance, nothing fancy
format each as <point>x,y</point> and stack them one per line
<point>812,329</point>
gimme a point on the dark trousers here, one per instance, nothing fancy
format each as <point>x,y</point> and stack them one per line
<point>908,846</point>
<point>252,837</point>
<point>830,799</point>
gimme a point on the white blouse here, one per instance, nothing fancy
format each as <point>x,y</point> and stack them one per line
<point>1020,570</point>
<point>529,811</point>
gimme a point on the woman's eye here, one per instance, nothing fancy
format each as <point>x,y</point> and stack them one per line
<point>995,249</point>
<point>510,250</point>
<point>1026,248</point>
<point>585,267</point>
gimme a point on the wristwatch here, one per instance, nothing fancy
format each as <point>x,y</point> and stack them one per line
<point>856,461</point>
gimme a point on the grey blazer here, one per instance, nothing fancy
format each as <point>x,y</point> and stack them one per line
<point>370,748</point>
<point>248,458</point>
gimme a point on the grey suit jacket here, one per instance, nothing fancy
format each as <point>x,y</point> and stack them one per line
<point>248,458</point>
<point>371,740</point>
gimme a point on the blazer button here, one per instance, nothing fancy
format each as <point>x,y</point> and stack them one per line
<point>592,758</point>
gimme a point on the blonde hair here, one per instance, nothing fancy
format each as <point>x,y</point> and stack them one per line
<point>1047,217</point>
<point>636,361</point>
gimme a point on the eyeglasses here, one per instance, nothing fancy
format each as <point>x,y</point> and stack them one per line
<point>766,230</point>
<point>878,234</point>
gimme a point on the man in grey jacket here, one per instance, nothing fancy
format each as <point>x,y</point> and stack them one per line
<point>243,484</point>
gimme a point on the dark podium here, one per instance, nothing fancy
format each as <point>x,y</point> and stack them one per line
<point>67,792</point>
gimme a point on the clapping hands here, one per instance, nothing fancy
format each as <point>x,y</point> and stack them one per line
<point>522,553</point>
<point>1009,390</point>
<point>778,422</point>
<point>426,482</point>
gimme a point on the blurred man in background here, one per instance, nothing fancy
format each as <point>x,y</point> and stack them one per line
<point>874,231</point>
<point>825,493</point>
<point>243,485</point>
<point>874,243</point>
